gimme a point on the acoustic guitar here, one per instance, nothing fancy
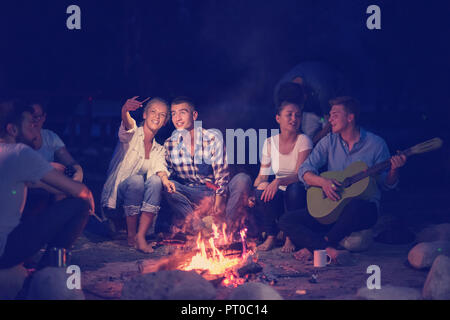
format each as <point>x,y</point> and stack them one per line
<point>358,181</point>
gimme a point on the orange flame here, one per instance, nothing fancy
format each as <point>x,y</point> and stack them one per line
<point>213,260</point>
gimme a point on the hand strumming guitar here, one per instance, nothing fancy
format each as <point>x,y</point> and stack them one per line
<point>330,188</point>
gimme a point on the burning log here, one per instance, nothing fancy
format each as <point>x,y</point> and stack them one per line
<point>250,268</point>
<point>217,257</point>
<point>180,257</point>
<point>170,263</point>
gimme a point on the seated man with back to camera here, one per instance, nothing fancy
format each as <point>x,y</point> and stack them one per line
<point>60,224</point>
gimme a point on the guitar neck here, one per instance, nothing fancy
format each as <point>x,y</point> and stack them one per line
<point>374,170</point>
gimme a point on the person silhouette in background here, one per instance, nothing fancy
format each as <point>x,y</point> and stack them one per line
<point>320,83</point>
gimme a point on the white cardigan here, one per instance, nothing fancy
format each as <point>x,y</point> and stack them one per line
<point>127,161</point>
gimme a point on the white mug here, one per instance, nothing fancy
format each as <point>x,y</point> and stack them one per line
<point>321,258</point>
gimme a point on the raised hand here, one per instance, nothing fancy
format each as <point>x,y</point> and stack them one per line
<point>130,105</point>
<point>133,104</point>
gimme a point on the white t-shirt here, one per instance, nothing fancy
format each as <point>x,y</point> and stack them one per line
<point>283,165</point>
<point>50,143</point>
<point>18,164</point>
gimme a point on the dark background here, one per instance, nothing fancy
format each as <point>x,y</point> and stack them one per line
<point>228,56</point>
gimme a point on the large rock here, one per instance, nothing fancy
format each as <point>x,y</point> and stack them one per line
<point>358,241</point>
<point>168,285</point>
<point>11,281</point>
<point>435,233</point>
<point>254,291</point>
<point>389,292</point>
<point>424,253</point>
<point>51,283</point>
<point>437,285</point>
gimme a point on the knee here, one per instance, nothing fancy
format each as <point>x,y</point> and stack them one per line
<point>153,182</point>
<point>295,196</point>
<point>295,189</point>
<point>241,183</point>
<point>135,184</point>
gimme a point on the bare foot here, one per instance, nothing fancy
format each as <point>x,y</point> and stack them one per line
<point>143,246</point>
<point>288,246</point>
<point>268,244</point>
<point>303,255</point>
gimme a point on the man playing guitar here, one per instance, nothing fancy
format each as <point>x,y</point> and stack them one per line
<point>347,143</point>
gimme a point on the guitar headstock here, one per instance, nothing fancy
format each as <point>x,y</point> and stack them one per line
<point>426,146</point>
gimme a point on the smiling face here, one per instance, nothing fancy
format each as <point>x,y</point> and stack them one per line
<point>340,119</point>
<point>289,118</point>
<point>155,116</point>
<point>183,116</point>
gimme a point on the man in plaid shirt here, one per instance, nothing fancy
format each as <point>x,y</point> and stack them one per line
<point>200,178</point>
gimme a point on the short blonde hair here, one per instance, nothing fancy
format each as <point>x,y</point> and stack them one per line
<point>154,100</point>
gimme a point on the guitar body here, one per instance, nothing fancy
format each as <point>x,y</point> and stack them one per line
<point>327,211</point>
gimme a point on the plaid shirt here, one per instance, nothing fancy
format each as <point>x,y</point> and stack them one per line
<point>208,165</point>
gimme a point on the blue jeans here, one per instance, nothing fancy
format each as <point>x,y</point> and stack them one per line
<point>187,199</point>
<point>239,189</point>
<point>139,195</point>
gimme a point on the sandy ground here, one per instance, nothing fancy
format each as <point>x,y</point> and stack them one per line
<point>106,265</point>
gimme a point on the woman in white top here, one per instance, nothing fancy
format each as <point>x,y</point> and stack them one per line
<point>282,156</point>
<point>132,176</point>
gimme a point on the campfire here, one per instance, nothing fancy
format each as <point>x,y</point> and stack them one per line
<point>215,256</point>
<point>218,256</point>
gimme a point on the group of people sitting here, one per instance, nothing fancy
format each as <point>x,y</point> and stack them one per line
<point>191,172</point>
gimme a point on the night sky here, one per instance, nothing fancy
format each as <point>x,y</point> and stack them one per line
<point>228,56</point>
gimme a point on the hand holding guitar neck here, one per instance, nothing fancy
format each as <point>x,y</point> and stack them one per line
<point>398,161</point>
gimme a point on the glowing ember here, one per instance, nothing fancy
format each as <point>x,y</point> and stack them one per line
<point>211,259</point>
